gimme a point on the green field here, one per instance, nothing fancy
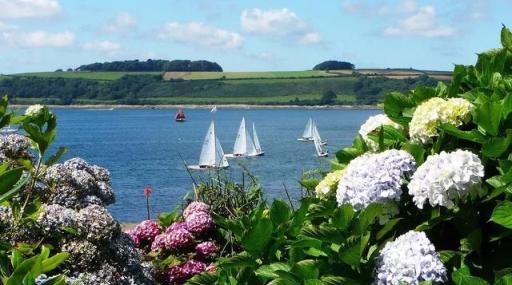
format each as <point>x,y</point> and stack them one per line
<point>245,75</point>
<point>101,76</point>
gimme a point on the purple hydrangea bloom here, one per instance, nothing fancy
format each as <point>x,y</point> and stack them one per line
<point>135,238</point>
<point>176,275</point>
<point>207,248</point>
<point>196,207</point>
<point>175,240</point>
<point>147,230</point>
<point>175,226</point>
<point>199,222</point>
<point>193,267</point>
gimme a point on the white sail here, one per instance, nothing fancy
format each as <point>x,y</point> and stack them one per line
<point>315,132</point>
<point>308,131</point>
<point>244,145</point>
<point>212,154</point>
<point>256,140</point>
<point>320,151</point>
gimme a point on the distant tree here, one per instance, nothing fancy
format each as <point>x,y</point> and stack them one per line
<point>334,65</point>
<point>69,70</point>
<point>58,70</point>
<point>328,98</point>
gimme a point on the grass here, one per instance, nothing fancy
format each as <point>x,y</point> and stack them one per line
<point>101,76</point>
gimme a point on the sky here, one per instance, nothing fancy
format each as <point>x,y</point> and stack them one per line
<point>264,35</point>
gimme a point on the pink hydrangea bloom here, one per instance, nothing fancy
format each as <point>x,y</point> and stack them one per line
<point>193,267</point>
<point>134,237</point>
<point>199,222</point>
<point>196,207</point>
<point>175,226</point>
<point>175,240</point>
<point>147,230</point>
<point>207,249</point>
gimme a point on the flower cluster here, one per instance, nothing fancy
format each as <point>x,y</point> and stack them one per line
<point>374,178</point>
<point>14,146</point>
<point>434,112</point>
<point>410,259</point>
<point>327,187</point>
<point>186,239</point>
<point>445,178</point>
<point>372,124</point>
<point>34,110</point>
<point>77,184</point>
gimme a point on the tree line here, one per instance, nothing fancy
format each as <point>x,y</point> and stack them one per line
<point>152,65</point>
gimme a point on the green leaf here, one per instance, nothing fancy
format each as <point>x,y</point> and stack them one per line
<point>416,150</point>
<point>347,154</point>
<point>387,227</point>
<point>473,135</point>
<point>280,212</point>
<point>504,280</point>
<point>258,236</point>
<point>488,116</point>
<point>394,104</point>
<point>306,269</point>
<point>368,215</point>
<point>502,214</point>
<point>16,258</point>
<point>19,185</point>
<point>54,261</point>
<point>8,179</point>
<point>269,271</point>
<point>497,146</point>
<point>238,261</point>
<point>54,158</point>
<point>463,276</point>
<point>343,216</point>
<point>506,38</point>
<point>19,273</point>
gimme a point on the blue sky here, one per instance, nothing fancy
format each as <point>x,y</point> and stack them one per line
<point>43,35</point>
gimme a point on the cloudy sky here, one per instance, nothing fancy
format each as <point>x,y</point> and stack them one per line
<point>43,35</point>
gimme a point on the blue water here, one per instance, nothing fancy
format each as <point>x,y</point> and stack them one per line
<point>142,146</point>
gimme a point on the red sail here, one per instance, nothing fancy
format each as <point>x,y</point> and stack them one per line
<point>180,115</point>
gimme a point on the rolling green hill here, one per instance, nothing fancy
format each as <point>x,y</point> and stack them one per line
<point>269,88</point>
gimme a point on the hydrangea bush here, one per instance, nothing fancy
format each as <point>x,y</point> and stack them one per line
<point>180,247</point>
<point>440,155</point>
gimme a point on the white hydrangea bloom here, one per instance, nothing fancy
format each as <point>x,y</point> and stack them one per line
<point>373,123</point>
<point>410,259</point>
<point>446,177</point>
<point>374,178</point>
<point>324,189</point>
<point>434,112</point>
<point>34,110</point>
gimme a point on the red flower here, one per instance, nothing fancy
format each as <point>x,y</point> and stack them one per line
<point>147,191</point>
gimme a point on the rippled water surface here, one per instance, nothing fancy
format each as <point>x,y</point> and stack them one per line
<point>142,146</point>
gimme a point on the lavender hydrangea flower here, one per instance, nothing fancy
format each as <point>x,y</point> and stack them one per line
<point>55,219</point>
<point>96,223</point>
<point>199,222</point>
<point>207,249</point>
<point>14,146</point>
<point>196,207</point>
<point>83,254</point>
<point>176,275</point>
<point>445,178</point>
<point>374,178</point>
<point>410,259</point>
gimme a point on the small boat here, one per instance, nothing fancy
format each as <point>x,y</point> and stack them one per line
<point>307,135</point>
<point>321,151</point>
<point>8,130</point>
<point>212,156</point>
<point>244,145</point>
<point>180,116</point>
<point>256,140</point>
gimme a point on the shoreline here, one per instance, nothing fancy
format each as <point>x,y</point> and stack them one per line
<point>198,106</point>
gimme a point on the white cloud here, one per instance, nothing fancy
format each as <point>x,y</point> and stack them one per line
<point>15,37</point>
<point>278,23</point>
<point>15,9</point>
<point>199,34</point>
<point>379,7</point>
<point>422,23</point>
<point>103,46</point>
<point>123,22</point>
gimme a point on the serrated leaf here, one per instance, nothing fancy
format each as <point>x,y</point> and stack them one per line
<point>502,214</point>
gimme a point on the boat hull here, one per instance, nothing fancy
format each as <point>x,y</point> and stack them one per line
<point>305,139</point>
<point>323,155</point>
<point>202,167</point>
<point>180,120</point>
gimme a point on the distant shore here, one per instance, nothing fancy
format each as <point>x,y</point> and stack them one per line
<point>220,106</point>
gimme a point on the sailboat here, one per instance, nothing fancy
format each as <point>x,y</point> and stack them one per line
<point>310,129</point>
<point>244,145</point>
<point>256,140</point>
<point>180,116</point>
<point>319,147</point>
<point>212,156</point>
<point>8,130</point>
<point>307,135</point>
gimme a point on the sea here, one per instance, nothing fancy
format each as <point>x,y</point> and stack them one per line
<point>142,147</point>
